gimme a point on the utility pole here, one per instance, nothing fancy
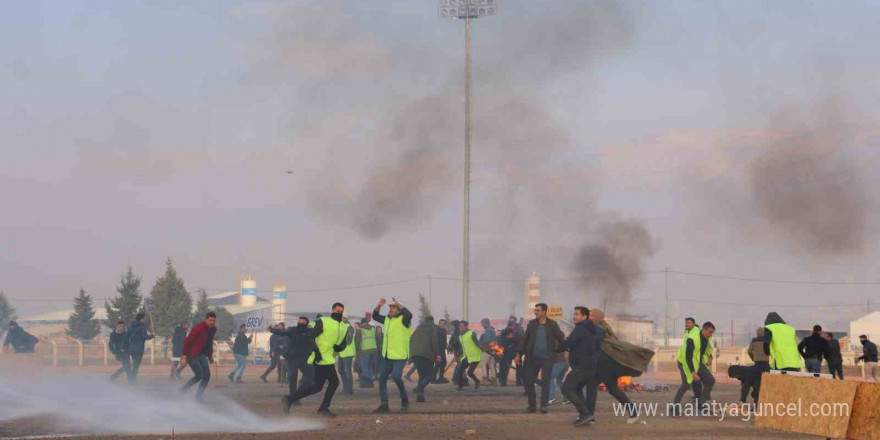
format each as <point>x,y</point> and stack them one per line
<point>666,321</point>
<point>430,293</point>
<point>466,9</point>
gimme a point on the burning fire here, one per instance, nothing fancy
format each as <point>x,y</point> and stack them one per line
<point>496,349</point>
<point>624,381</point>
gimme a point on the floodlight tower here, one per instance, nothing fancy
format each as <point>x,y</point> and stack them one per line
<point>466,10</point>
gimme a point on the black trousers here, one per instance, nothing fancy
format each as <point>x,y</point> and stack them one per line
<point>440,368</point>
<point>573,389</point>
<point>425,367</point>
<point>836,371</point>
<point>135,367</point>
<point>276,362</point>
<point>531,368</point>
<point>467,368</point>
<point>609,372</point>
<point>686,386</point>
<point>752,381</point>
<point>324,374</point>
<point>504,369</point>
<point>293,370</point>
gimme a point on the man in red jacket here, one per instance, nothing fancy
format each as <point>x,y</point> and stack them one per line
<point>198,352</point>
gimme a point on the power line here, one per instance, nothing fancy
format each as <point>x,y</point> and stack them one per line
<point>776,281</point>
<point>700,301</point>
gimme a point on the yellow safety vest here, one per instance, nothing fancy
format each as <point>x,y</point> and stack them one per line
<point>396,342</point>
<point>783,347</point>
<point>332,334</point>
<point>710,350</point>
<point>471,353</point>
<point>368,339</point>
<point>349,349</point>
<point>693,335</point>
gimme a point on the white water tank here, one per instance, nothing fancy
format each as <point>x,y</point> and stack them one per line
<point>279,302</point>
<point>533,295</point>
<point>248,291</point>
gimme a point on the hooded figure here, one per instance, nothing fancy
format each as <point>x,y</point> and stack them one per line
<point>781,344</point>
<point>20,340</point>
<point>756,348</point>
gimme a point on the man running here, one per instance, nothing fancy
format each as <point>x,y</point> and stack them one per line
<point>198,351</point>
<point>119,347</point>
<point>539,348</point>
<point>583,346</point>
<point>472,355</point>
<point>328,339</point>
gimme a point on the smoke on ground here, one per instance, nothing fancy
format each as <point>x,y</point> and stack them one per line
<point>94,405</point>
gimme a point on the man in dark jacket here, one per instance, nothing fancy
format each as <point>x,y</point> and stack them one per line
<point>118,346</point>
<point>240,351</point>
<point>20,340</point>
<point>137,336</point>
<point>198,351</point>
<point>515,325</point>
<point>425,352</point>
<point>583,348</point>
<point>177,349</point>
<point>276,347</point>
<point>869,356</point>
<point>454,348</point>
<point>440,367</point>
<point>752,379</point>
<point>539,345</point>
<point>297,353</point>
<point>813,349</point>
<point>509,344</point>
<point>834,358</point>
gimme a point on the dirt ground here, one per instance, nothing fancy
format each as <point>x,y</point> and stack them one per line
<point>492,412</point>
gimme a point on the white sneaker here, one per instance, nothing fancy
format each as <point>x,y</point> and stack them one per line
<point>632,420</point>
<point>552,402</point>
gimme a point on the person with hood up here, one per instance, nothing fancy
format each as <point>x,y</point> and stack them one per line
<point>137,336</point>
<point>395,350</point>
<point>781,344</point>
<point>813,349</point>
<point>425,352</point>
<point>835,358</point>
<point>118,346</point>
<point>515,325</point>
<point>177,349</point>
<point>326,339</point>
<point>440,367</point>
<point>616,359</point>
<point>298,355</point>
<point>276,346</point>
<point>752,379</point>
<point>454,348</point>
<point>240,351</point>
<point>583,348</point>
<point>488,364</point>
<point>367,346</point>
<point>198,351</point>
<point>509,344</point>
<point>20,340</point>
<point>871,373</point>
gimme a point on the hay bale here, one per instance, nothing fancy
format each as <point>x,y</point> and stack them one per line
<point>788,402</point>
<point>864,423</point>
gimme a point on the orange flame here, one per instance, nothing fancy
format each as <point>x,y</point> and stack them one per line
<point>624,381</point>
<point>497,350</point>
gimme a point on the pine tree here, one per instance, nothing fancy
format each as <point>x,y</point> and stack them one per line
<point>7,312</point>
<point>203,306</point>
<point>448,319</point>
<point>173,303</point>
<point>424,307</point>
<point>225,324</point>
<point>128,303</point>
<point>82,324</point>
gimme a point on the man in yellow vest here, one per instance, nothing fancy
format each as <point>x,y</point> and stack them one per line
<point>328,339</point>
<point>781,344</point>
<point>346,359</point>
<point>703,390</point>
<point>395,351</point>
<point>687,344</point>
<point>366,342</point>
<point>471,356</point>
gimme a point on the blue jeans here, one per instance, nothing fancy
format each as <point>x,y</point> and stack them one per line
<point>556,376</point>
<point>393,369</point>
<point>343,365</point>
<point>813,365</point>
<point>368,375</point>
<point>201,368</point>
<point>240,364</point>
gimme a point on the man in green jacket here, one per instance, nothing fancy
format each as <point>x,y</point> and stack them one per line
<point>425,351</point>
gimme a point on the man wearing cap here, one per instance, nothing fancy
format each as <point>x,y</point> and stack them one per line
<point>395,351</point>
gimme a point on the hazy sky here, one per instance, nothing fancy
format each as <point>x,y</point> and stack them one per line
<point>132,131</point>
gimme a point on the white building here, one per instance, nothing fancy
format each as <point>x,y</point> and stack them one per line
<point>866,325</point>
